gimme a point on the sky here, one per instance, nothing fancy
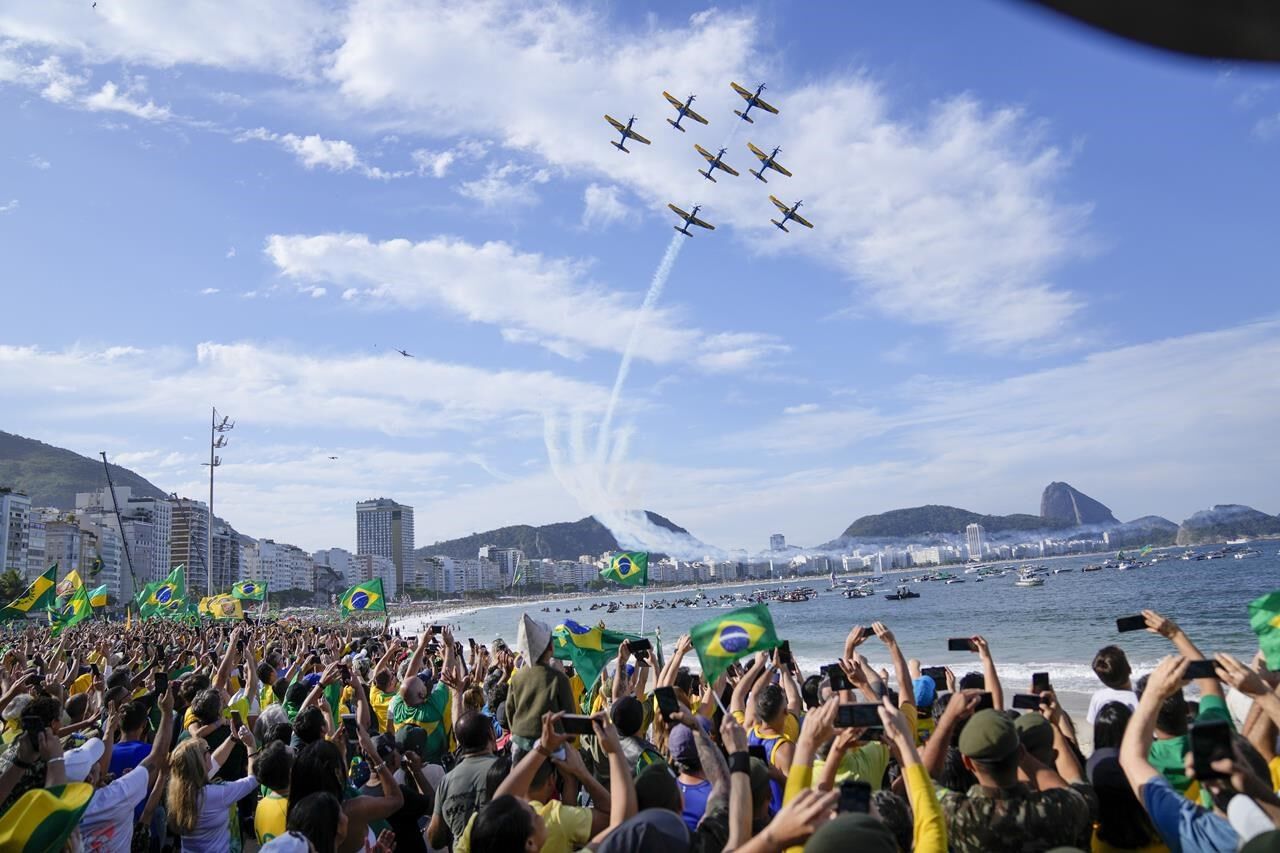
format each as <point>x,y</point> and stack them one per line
<point>1038,254</point>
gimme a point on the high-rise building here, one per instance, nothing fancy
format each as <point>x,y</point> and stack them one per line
<point>508,560</point>
<point>974,535</point>
<point>279,565</point>
<point>189,542</point>
<point>15,530</point>
<point>342,562</point>
<point>385,528</point>
<point>36,562</point>
<point>226,557</point>
<point>777,542</point>
<point>63,543</point>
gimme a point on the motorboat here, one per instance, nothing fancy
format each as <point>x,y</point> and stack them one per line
<point>1029,578</point>
<point>1247,553</point>
<point>902,594</point>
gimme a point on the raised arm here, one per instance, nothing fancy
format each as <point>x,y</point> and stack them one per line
<point>960,707</point>
<point>734,738</point>
<point>1161,684</point>
<point>622,799</point>
<point>1167,628</point>
<point>990,678</point>
<point>900,669</point>
<point>741,690</point>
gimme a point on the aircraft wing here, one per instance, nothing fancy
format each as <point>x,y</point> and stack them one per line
<point>767,107</point>
<point>723,165</point>
<point>673,100</point>
<point>631,134</point>
<point>617,124</point>
<point>756,151</point>
<point>693,220</point>
<point>710,158</point>
<point>741,91</point>
<point>780,205</point>
<point>691,114</point>
<point>678,211</point>
<point>776,165</point>
<point>798,218</point>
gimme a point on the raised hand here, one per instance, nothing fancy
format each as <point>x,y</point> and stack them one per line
<point>1166,679</point>
<point>1240,676</point>
<point>733,735</point>
<point>883,633</point>
<point>551,740</point>
<point>801,818</point>
<point>1162,625</point>
<point>819,724</point>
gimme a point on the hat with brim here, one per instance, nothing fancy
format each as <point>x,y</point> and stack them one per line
<point>852,831</point>
<point>532,638</point>
<point>42,820</point>
<point>1036,735</point>
<point>410,738</point>
<point>79,761</point>
<point>988,736</point>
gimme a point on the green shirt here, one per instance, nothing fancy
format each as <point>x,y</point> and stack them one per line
<point>432,716</point>
<point>1166,755</point>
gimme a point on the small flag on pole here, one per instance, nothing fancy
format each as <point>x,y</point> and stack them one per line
<point>363,598</point>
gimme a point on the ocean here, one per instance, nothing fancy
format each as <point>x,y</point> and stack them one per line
<point>1055,628</point>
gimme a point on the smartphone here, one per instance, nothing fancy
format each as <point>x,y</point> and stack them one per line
<point>938,674</point>
<point>863,715</point>
<point>1210,741</point>
<point>436,629</point>
<point>349,726</point>
<point>961,644</point>
<point>577,724</point>
<point>162,683</point>
<point>784,653</point>
<point>33,726</point>
<point>471,642</point>
<point>984,702</point>
<point>345,671</point>
<point>1131,623</point>
<point>1200,669</point>
<point>640,648</point>
<point>1040,682</point>
<point>236,721</point>
<point>1026,701</point>
<point>695,685</point>
<point>836,675</point>
<point>758,751</point>
<point>668,704</point>
<point>855,796</point>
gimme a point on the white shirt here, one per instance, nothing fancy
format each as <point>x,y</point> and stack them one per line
<point>1107,694</point>
<point>107,824</point>
<point>212,833</point>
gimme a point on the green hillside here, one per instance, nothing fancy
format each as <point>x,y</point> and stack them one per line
<point>51,476</point>
<point>562,541</point>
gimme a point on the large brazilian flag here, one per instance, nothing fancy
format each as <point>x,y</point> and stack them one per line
<point>363,598</point>
<point>1264,617</point>
<point>588,649</point>
<point>76,610</point>
<point>722,640</point>
<point>630,568</point>
<point>39,596</point>
<point>249,590</point>
<point>165,597</point>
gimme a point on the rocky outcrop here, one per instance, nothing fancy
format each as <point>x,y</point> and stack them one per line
<point>1227,521</point>
<point>1061,504</point>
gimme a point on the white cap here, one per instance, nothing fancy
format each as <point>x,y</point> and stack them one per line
<point>79,761</point>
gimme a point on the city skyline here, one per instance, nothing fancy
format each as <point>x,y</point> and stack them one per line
<point>1013,277</point>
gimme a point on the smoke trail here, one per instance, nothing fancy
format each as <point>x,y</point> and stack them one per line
<point>659,281</point>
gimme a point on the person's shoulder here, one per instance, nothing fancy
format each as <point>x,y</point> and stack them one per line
<point>1060,800</point>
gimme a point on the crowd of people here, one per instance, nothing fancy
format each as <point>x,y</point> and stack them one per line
<point>289,736</point>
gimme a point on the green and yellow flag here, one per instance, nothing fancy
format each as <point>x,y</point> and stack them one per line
<point>68,585</point>
<point>630,568</point>
<point>40,595</point>
<point>363,598</point>
<point>166,596</point>
<point>44,818</point>
<point>722,640</point>
<point>1264,618</point>
<point>588,649</point>
<point>249,590</point>
<point>98,596</point>
<point>75,611</point>
<point>222,607</point>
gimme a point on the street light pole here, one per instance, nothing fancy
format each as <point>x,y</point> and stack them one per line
<point>216,441</point>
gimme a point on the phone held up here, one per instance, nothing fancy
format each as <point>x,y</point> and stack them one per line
<point>961,644</point>
<point>1131,623</point>
<point>863,715</point>
<point>668,704</point>
<point>1210,742</point>
<point>855,796</point>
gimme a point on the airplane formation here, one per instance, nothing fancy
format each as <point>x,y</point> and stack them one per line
<point>684,110</point>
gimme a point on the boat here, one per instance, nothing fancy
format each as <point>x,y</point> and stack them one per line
<point>1060,571</point>
<point>955,580</point>
<point>1029,577</point>
<point>1247,553</point>
<point>902,594</point>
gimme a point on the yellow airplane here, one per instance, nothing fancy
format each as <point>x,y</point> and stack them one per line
<point>752,101</point>
<point>715,161</point>
<point>789,213</point>
<point>627,133</point>
<point>766,162</point>
<point>682,110</point>
<point>690,219</point>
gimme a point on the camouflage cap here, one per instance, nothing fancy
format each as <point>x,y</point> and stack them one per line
<point>988,736</point>
<point>1036,735</point>
<point>852,831</point>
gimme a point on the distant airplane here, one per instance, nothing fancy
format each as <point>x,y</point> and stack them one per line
<point>627,133</point>
<point>789,213</point>
<point>333,457</point>
<point>766,162</point>
<point>682,110</point>
<point>690,219</point>
<point>405,353</point>
<point>714,162</point>
<point>752,101</point>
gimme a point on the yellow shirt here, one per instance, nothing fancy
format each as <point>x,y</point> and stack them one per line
<point>81,684</point>
<point>866,763</point>
<point>568,828</point>
<point>1274,766</point>
<point>270,817</point>
<point>380,701</point>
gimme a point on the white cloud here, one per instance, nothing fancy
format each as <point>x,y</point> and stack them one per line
<point>602,206</point>
<point>437,163</point>
<point>509,185</point>
<point>334,155</point>
<point>209,291</point>
<point>111,99</point>
<point>231,252</point>
<point>801,409</point>
<point>9,206</point>
<point>1267,127</point>
<point>531,298</point>
<point>38,162</point>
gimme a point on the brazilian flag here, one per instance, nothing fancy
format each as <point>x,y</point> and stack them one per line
<point>39,596</point>
<point>630,568</point>
<point>222,607</point>
<point>363,598</point>
<point>166,596</point>
<point>1264,618</point>
<point>249,590</point>
<point>588,649</point>
<point>98,596</point>
<point>722,640</point>
<point>76,610</point>
<point>44,818</point>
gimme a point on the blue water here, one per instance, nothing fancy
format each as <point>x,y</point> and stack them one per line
<point>1056,627</point>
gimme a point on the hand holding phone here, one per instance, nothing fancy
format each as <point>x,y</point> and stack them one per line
<point>1131,623</point>
<point>1040,682</point>
<point>1200,669</point>
<point>236,722</point>
<point>784,653</point>
<point>1210,742</point>
<point>1026,701</point>
<point>938,674</point>
<point>836,675</point>
<point>349,727</point>
<point>985,702</point>
<point>577,724</point>
<point>863,715</point>
<point>961,644</point>
<point>855,796</point>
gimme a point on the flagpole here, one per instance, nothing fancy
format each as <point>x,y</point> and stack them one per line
<point>644,597</point>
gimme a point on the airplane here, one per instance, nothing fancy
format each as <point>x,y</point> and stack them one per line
<point>627,133</point>
<point>752,101</point>
<point>789,213</point>
<point>766,162</point>
<point>333,457</point>
<point>714,162</point>
<point>682,110</point>
<point>690,219</point>
<point>405,353</point>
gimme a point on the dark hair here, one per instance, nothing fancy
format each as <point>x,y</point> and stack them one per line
<point>811,691</point>
<point>474,732</point>
<point>542,774</point>
<point>274,765</point>
<point>656,788</point>
<point>684,680</point>
<point>195,682</point>
<point>118,695</point>
<point>496,775</point>
<point>1000,767</point>
<point>1172,716</point>
<point>282,732</point>
<point>46,708</point>
<point>119,678</point>
<point>265,671</point>
<point>382,679</point>
<point>1109,725</point>
<point>895,813</point>
<point>207,706</point>
<point>134,716</point>
<point>317,768</point>
<point>628,715</point>
<point>770,702</point>
<point>310,725</point>
<point>77,705</point>
<point>973,681</point>
<point>505,824</point>
<point>296,693</point>
<point>316,817</point>
<point>1112,667</point>
<point>1122,821</point>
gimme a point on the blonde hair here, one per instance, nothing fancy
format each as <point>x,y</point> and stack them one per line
<point>188,774</point>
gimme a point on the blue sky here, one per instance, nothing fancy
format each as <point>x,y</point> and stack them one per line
<point>1039,254</point>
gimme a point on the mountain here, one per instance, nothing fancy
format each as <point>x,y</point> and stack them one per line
<point>51,476</point>
<point>921,520</point>
<point>1227,521</point>
<point>1072,507</point>
<point>565,540</point>
<point>1150,530</point>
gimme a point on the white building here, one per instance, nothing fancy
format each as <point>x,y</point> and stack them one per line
<point>372,566</point>
<point>385,527</point>
<point>279,565</point>
<point>508,560</point>
<point>777,542</point>
<point>15,531</point>
<point>974,536</point>
<point>341,561</point>
<point>36,562</point>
